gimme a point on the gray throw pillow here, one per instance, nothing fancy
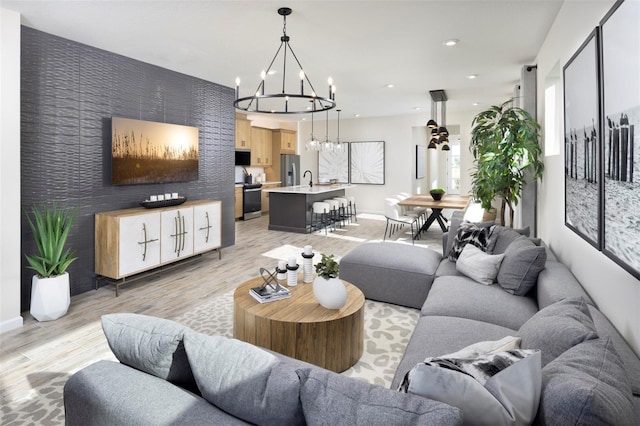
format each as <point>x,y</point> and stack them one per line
<point>500,237</point>
<point>244,380</point>
<point>586,385</point>
<point>332,399</point>
<point>522,263</point>
<point>150,344</point>
<point>558,327</point>
<point>468,233</point>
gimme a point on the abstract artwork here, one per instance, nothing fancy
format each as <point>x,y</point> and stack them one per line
<point>366,165</point>
<point>334,164</point>
<point>620,50</point>
<point>582,142</point>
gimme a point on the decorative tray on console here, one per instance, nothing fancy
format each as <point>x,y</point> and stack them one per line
<point>163,203</point>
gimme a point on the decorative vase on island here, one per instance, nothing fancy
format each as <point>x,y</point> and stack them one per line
<point>331,293</point>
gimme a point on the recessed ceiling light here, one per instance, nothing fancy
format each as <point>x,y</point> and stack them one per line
<point>356,115</point>
<point>416,108</point>
<point>390,86</point>
<point>451,42</point>
<point>472,76</point>
<point>475,104</point>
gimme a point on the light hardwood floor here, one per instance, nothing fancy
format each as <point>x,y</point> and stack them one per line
<point>30,357</point>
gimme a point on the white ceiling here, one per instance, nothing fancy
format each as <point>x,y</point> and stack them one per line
<point>362,45</point>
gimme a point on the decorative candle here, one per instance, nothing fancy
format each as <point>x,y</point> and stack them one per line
<point>237,87</point>
<point>292,272</point>
<point>307,250</point>
<point>282,270</point>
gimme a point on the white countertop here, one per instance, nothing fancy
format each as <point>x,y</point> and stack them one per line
<point>306,189</point>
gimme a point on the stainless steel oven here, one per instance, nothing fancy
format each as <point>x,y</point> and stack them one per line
<point>251,201</point>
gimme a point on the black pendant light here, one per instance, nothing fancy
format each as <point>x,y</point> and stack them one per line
<point>439,134</point>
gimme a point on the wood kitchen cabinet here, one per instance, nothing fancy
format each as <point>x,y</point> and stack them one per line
<point>261,144</point>
<point>131,241</point>
<point>286,140</point>
<point>265,195</point>
<point>243,133</point>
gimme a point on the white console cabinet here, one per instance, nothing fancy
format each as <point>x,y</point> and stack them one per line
<point>131,241</point>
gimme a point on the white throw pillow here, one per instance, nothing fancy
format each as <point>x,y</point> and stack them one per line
<point>478,265</point>
<point>495,389</point>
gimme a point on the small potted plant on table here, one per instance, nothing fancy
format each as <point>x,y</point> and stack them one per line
<point>327,287</point>
<point>437,193</point>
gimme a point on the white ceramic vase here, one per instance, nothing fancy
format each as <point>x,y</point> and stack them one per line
<point>50,297</point>
<point>330,293</point>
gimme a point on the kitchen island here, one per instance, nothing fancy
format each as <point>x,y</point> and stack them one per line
<point>290,206</point>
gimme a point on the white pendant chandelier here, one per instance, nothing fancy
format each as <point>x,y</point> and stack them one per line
<point>327,145</point>
<point>283,101</point>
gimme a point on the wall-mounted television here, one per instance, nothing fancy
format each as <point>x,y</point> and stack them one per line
<point>150,152</point>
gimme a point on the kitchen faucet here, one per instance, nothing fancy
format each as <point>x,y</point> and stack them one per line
<point>310,180</point>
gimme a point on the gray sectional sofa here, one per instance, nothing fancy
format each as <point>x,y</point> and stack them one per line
<point>590,375</point>
<point>578,370</point>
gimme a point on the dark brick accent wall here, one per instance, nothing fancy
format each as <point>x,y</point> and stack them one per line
<point>69,93</point>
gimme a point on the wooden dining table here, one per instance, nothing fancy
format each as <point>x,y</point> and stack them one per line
<point>458,202</point>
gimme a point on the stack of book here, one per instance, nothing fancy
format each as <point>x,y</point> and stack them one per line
<point>269,293</point>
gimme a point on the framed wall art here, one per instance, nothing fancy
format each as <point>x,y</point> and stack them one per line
<point>334,165</point>
<point>421,160</point>
<point>620,59</point>
<point>582,141</point>
<point>366,162</point>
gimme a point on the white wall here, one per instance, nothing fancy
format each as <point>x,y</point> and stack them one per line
<point>401,134</point>
<point>616,292</point>
<point>10,251</point>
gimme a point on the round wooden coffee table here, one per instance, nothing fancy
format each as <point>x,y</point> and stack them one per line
<point>300,328</point>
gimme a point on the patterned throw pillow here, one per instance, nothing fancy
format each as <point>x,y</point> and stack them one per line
<point>490,389</point>
<point>468,233</point>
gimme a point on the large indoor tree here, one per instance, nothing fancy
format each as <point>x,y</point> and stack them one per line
<point>505,145</point>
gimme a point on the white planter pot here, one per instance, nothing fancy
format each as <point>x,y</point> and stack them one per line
<point>50,297</point>
<point>330,293</point>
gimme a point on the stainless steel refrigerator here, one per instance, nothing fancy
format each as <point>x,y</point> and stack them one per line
<point>289,170</point>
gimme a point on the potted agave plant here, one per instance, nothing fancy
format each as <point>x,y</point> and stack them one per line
<point>50,294</point>
<point>327,287</point>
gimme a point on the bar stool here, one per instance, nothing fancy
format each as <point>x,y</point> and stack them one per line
<point>352,207</point>
<point>334,207</point>
<point>320,211</point>
<point>343,208</point>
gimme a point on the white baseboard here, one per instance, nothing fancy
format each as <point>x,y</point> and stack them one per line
<point>11,324</point>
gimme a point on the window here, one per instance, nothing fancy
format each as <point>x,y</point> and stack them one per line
<point>552,118</point>
<point>453,166</point>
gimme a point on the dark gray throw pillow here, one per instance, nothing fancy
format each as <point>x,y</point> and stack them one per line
<point>501,237</point>
<point>150,344</point>
<point>332,399</point>
<point>468,233</point>
<point>586,385</point>
<point>558,327</point>
<point>522,263</point>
